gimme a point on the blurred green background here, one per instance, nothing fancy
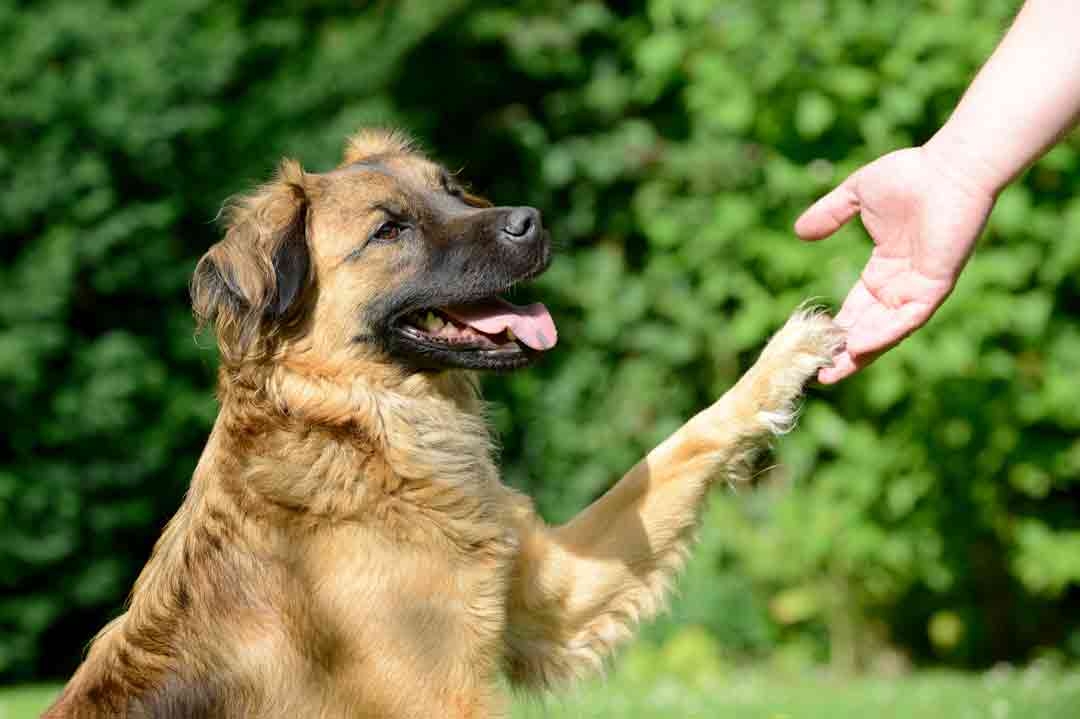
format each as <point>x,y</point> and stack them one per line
<point>924,513</point>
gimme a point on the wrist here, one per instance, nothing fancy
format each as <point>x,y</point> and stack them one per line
<point>967,164</point>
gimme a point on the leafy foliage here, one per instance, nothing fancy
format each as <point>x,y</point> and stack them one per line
<point>929,503</point>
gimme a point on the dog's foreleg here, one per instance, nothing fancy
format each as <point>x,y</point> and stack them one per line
<point>581,588</point>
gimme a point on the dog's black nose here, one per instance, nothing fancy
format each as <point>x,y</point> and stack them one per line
<point>522,224</point>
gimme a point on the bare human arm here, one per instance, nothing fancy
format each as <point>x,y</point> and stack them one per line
<point>924,207</point>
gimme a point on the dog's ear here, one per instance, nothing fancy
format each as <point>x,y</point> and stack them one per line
<point>250,282</point>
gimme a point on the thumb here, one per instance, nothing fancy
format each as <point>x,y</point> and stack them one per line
<point>825,216</point>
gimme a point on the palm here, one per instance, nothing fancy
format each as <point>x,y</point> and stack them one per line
<point>923,223</point>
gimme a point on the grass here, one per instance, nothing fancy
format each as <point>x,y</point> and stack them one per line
<point>1000,694</point>
<point>27,701</point>
<point>927,695</point>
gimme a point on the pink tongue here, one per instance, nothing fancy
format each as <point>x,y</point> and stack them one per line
<point>531,324</point>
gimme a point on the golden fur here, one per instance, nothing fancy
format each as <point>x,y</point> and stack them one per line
<point>346,548</point>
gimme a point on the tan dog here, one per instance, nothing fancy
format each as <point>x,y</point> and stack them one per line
<point>346,548</point>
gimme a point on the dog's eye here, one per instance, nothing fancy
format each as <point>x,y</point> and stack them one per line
<point>388,231</point>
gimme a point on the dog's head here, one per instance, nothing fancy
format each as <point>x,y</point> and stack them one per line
<point>385,254</point>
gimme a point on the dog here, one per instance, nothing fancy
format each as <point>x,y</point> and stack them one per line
<point>346,548</point>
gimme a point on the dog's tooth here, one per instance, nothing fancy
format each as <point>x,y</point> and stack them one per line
<point>510,334</point>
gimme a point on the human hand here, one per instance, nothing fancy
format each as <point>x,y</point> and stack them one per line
<point>924,216</point>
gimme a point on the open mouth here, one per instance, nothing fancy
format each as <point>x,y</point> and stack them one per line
<point>489,333</point>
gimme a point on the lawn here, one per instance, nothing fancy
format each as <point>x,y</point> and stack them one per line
<point>1035,692</point>
<point>1028,694</point>
<point>24,702</point>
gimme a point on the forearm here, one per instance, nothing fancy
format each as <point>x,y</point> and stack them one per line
<point>579,589</point>
<point>1025,97</point>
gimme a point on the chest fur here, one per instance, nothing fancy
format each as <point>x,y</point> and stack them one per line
<point>400,543</point>
<point>417,626</point>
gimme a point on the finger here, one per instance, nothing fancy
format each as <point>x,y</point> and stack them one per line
<point>843,366</point>
<point>873,326</point>
<point>825,216</point>
<point>858,302</point>
<point>857,314</point>
<point>879,327</point>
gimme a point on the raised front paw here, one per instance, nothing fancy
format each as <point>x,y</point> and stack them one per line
<point>807,342</point>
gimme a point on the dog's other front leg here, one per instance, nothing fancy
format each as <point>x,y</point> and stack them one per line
<point>580,588</point>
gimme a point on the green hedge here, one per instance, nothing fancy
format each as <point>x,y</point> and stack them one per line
<point>929,504</point>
